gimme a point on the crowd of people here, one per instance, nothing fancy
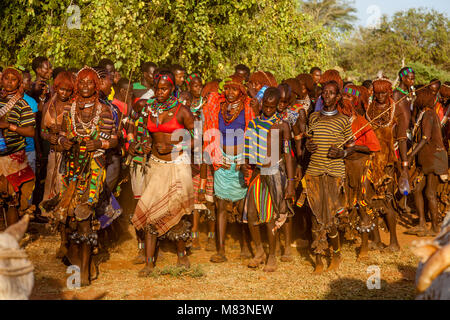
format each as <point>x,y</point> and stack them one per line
<point>243,149</point>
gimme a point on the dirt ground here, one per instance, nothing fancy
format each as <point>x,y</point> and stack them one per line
<point>230,280</point>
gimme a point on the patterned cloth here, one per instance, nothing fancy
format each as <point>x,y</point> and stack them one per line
<point>229,183</point>
<point>209,196</point>
<point>290,116</point>
<point>256,139</point>
<point>20,115</point>
<point>328,131</point>
<point>267,192</point>
<point>16,169</point>
<point>167,199</point>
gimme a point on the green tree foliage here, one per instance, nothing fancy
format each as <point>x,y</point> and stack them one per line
<point>202,35</point>
<point>338,14</point>
<point>416,37</point>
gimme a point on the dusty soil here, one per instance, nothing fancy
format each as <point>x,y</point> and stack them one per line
<point>231,280</point>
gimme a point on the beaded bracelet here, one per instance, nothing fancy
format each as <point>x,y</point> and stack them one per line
<point>201,191</point>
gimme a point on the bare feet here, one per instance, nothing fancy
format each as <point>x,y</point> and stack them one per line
<point>394,247</point>
<point>271,264</point>
<point>140,258</point>
<point>335,262</point>
<point>245,253</point>
<point>286,258</point>
<point>318,269</point>
<point>376,245</point>
<point>259,258</point>
<point>183,262</point>
<point>85,280</point>
<point>196,244</point>
<point>363,254</point>
<point>218,258</point>
<point>148,269</point>
<point>419,231</point>
<point>211,246</point>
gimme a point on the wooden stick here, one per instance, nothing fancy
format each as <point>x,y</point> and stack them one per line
<point>126,102</point>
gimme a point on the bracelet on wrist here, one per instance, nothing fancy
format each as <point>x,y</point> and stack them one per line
<point>201,191</point>
<point>105,144</point>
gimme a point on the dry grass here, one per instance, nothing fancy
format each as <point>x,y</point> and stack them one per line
<point>231,280</point>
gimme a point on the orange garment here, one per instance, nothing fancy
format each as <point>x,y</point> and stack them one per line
<point>211,126</point>
<point>440,110</point>
<point>365,137</point>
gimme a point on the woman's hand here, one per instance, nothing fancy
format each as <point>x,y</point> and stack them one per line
<point>335,153</point>
<point>66,143</point>
<point>147,147</point>
<point>92,145</point>
<point>311,146</point>
<point>53,138</point>
<point>290,190</point>
<point>4,124</point>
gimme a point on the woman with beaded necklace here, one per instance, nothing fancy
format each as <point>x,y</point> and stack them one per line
<point>52,117</point>
<point>87,131</point>
<point>226,118</point>
<point>169,197</point>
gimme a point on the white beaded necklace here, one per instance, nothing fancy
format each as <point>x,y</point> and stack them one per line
<point>87,126</point>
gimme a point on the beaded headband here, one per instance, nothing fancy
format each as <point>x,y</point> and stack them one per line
<point>88,68</point>
<point>406,72</point>
<point>191,77</point>
<point>353,92</point>
<point>164,77</point>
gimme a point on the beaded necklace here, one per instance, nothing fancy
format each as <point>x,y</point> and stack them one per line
<point>89,126</point>
<point>237,107</point>
<point>384,121</point>
<point>196,107</point>
<point>156,108</point>
<point>402,91</point>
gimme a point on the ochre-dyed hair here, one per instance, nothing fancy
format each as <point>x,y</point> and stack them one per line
<point>212,86</point>
<point>64,78</point>
<point>264,78</point>
<point>308,81</point>
<point>332,75</point>
<point>295,86</point>
<point>382,85</point>
<point>87,72</point>
<point>18,74</point>
<point>425,99</point>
